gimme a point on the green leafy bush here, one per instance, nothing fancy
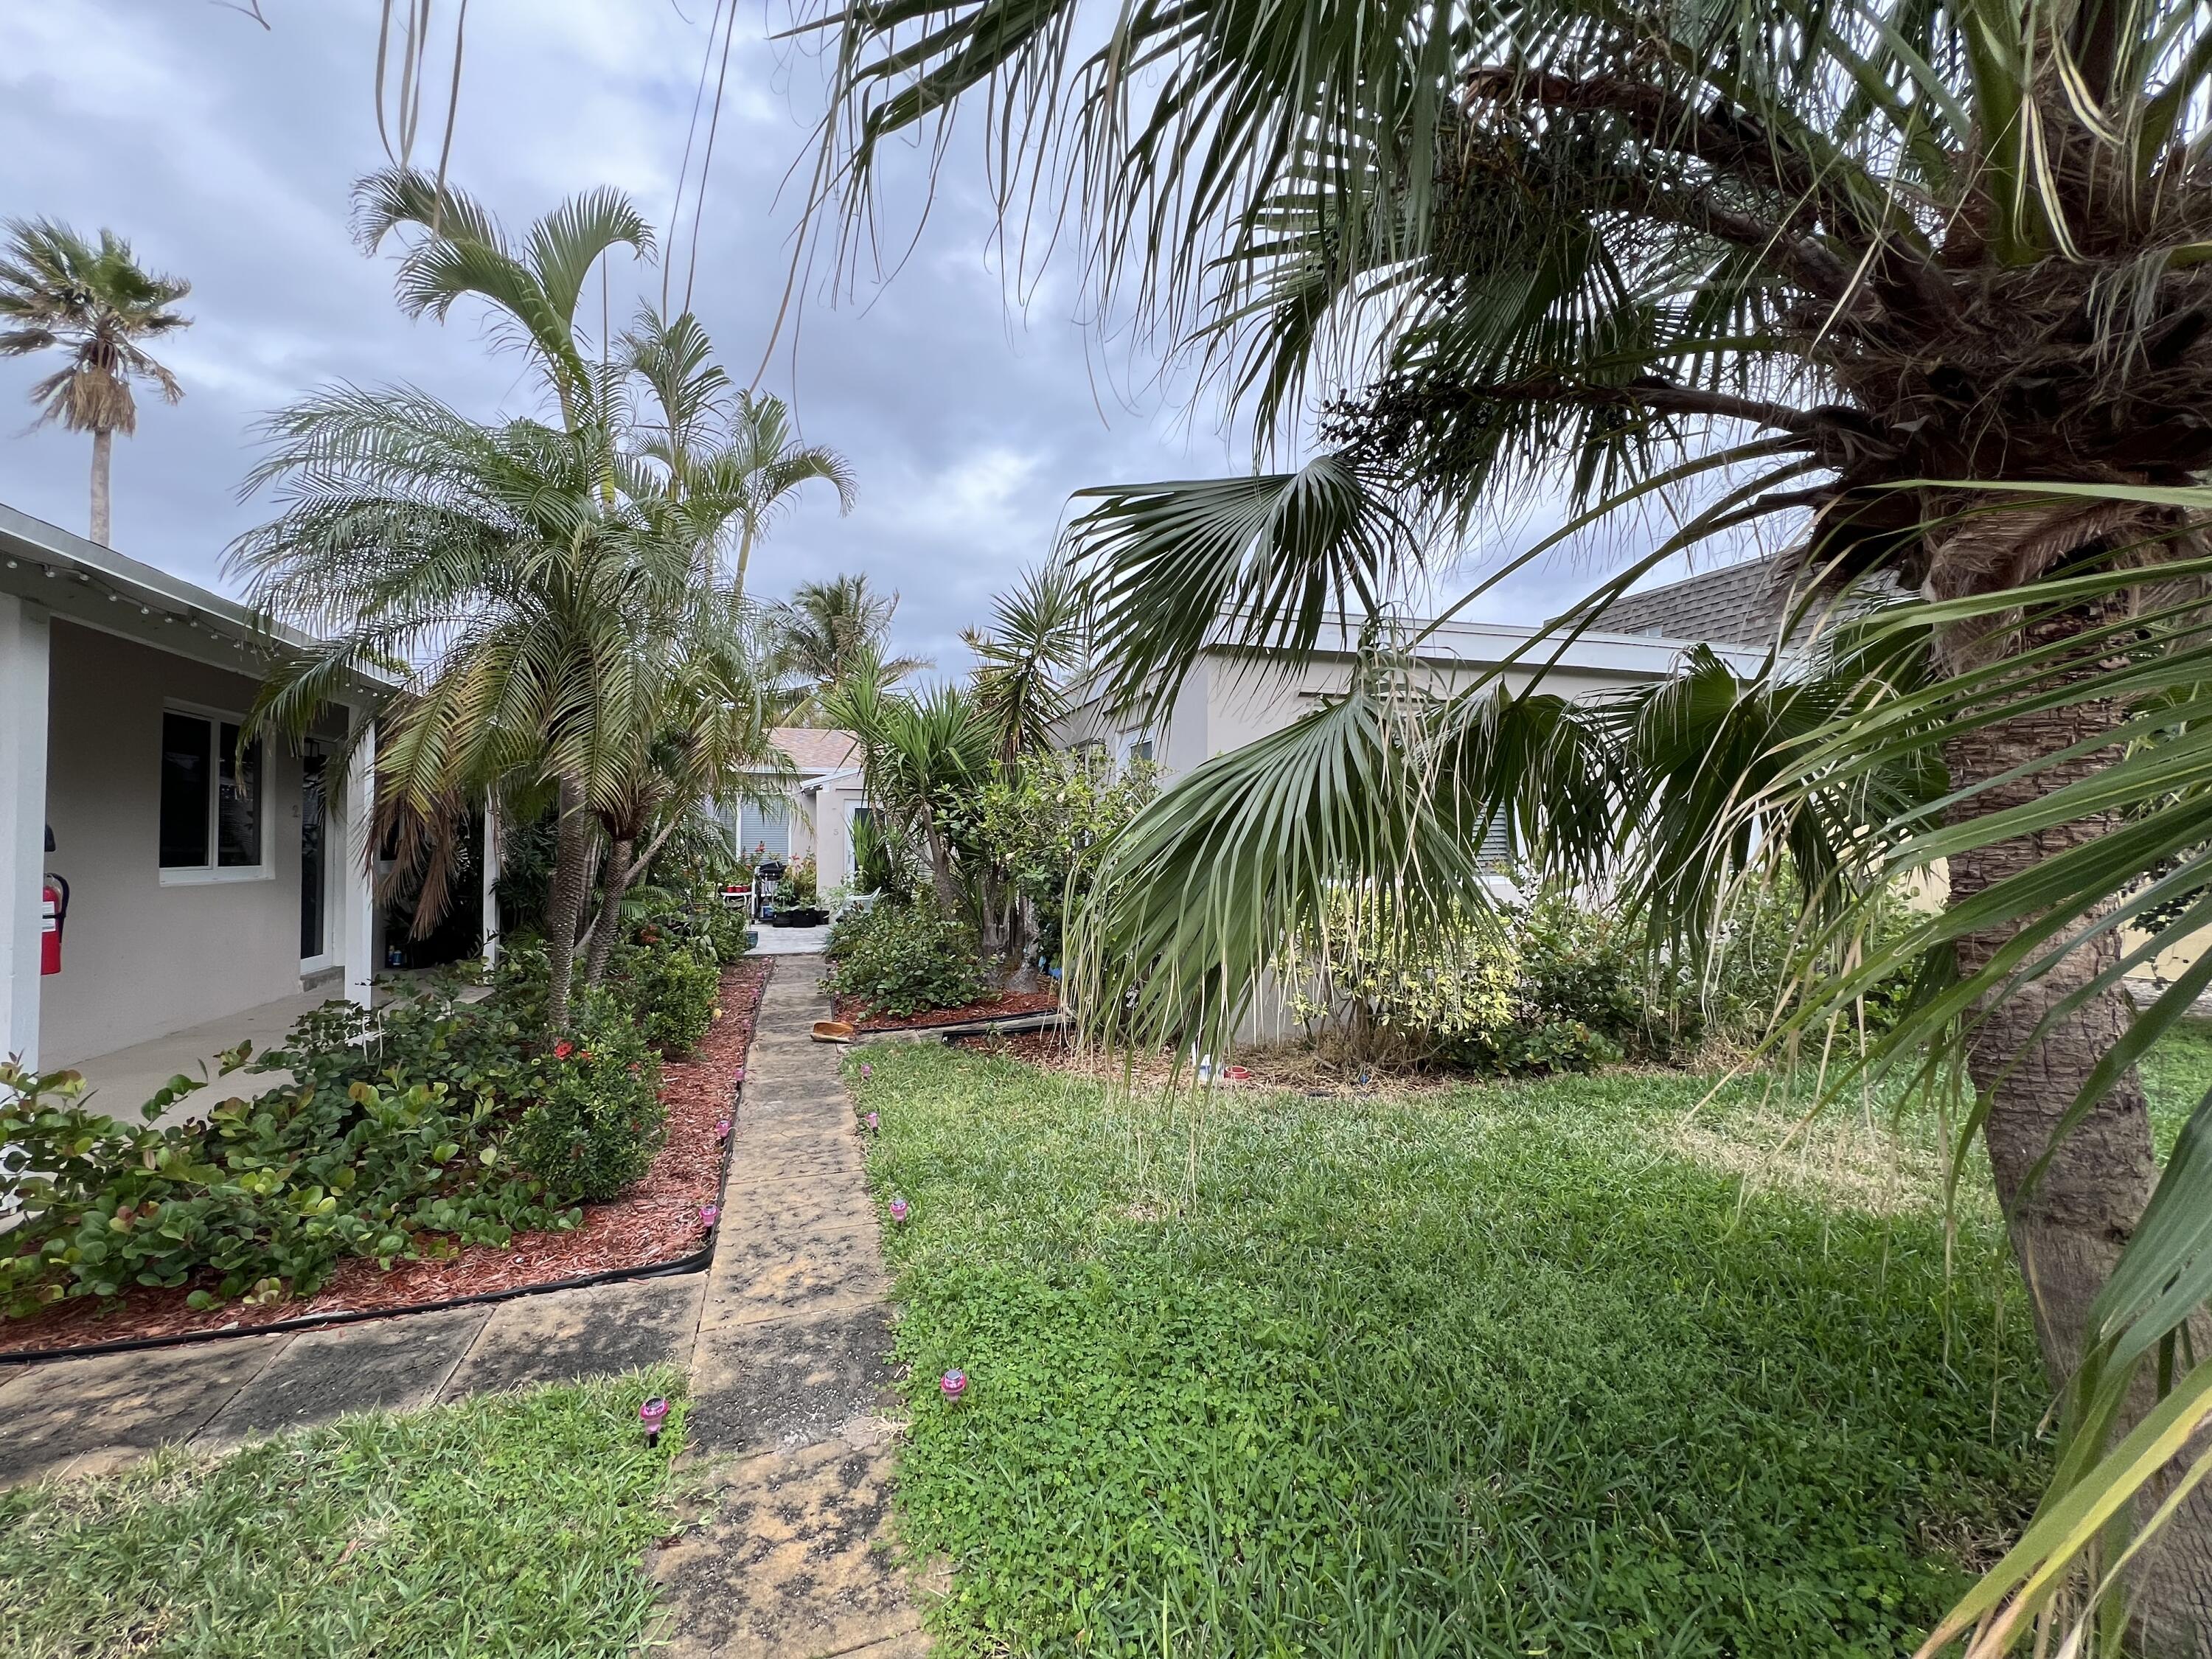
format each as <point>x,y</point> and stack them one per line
<point>899,959</point>
<point>595,1128</point>
<point>1545,984</point>
<point>724,928</point>
<point>373,1147</point>
<point>1048,824</point>
<point>670,985</point>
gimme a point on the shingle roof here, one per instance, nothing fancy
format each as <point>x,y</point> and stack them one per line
<point>1736,605</point>
<point>814,749</point>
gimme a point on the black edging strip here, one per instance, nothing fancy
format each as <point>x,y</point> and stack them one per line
<point>697,1262</point>
<point>1007,1025</point>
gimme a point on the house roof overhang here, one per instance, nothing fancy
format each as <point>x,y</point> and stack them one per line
<point>811,785</point>
<point>97,588</point>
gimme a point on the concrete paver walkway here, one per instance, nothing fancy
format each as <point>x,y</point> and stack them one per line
<point>788,1376</point>
<point>787,1336</point>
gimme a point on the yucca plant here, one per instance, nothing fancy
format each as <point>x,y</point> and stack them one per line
<point>1924,285</point>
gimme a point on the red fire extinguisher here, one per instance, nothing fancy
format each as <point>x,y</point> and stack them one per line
<point>54,905</point>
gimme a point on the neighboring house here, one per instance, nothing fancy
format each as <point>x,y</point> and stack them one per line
<point>812,815</point>
<point>204,881</point>
<point>1234,696</point>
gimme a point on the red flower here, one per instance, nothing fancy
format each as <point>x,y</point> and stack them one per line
<point>562,1050</point>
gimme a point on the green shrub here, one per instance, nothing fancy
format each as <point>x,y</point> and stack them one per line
<point>372,1145</point>
<point>1546,984</point>
<point>671,986</point>
<point>726,928</point>
<point>899,959</point>
<point>594,1130</point>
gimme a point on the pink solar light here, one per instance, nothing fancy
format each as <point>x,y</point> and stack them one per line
<point>708,1215</point>
<point>650,1416</point>
<point>867,1070</point>
<point>722,1130</point>
<point>898,1210</point>
<point>953,1385</point>
<point>874,1122</point>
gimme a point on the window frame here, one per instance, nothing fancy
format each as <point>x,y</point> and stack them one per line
<point>215,871</point>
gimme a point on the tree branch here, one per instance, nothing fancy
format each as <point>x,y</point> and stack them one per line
<point>1746,148</point>
<point>1804,259</point>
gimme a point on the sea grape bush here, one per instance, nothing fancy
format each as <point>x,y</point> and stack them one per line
<point>441,1124</point>
<point>260,1199</point>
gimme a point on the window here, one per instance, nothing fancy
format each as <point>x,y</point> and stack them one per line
<point>1141,749</point>
<point>764,832</point>
<point>211,796</point>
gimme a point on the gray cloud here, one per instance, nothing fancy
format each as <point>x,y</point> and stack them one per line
<point>225,153</point>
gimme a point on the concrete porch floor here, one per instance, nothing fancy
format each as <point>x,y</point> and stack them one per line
<point>118,1083</point>
<point>791,941</point>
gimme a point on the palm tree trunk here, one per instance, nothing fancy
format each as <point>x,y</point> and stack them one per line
<point>614,882</point>
<point>744,556</point>
<point>565,904</point>
<point>103,454</point>
<point>2068,1226</point>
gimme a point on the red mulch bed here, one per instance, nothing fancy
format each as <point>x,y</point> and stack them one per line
<point>1038,1047</point>
<point>657,1221</point>
<point>1003,1005</point>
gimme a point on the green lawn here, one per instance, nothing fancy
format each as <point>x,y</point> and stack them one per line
<point>508,1525</point>
<point>1501,1370</point>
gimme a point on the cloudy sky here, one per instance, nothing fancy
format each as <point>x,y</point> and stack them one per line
<point>224,150</point>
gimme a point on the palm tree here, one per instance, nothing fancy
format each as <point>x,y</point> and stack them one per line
<point>57,292</point>
<point>827,633</point>
<point>1925,284</point>
<point>734,445</point>
<point>531,613</point>
<point>532,289</point>
<point>923,757</point>
<point>540,581</point>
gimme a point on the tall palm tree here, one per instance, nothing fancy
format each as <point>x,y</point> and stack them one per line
<point>59,293</point>
<point>830,632</point>
<point>531,612</point>
<point>533,577</point>
<point>532,289</point>
<point>1924,282</point>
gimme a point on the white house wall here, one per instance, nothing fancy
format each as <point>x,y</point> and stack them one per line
<point>1230,701</point>
<point>140,959</point>
<point>832,805</point>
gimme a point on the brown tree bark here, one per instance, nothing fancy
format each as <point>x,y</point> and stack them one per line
<point>2069,1225</point>
<point>614,882</point>
<point>572,878</point>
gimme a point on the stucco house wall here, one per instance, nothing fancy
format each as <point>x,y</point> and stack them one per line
<point>829,805</point>
<point>146,953</point>
<point>1233,697</point>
